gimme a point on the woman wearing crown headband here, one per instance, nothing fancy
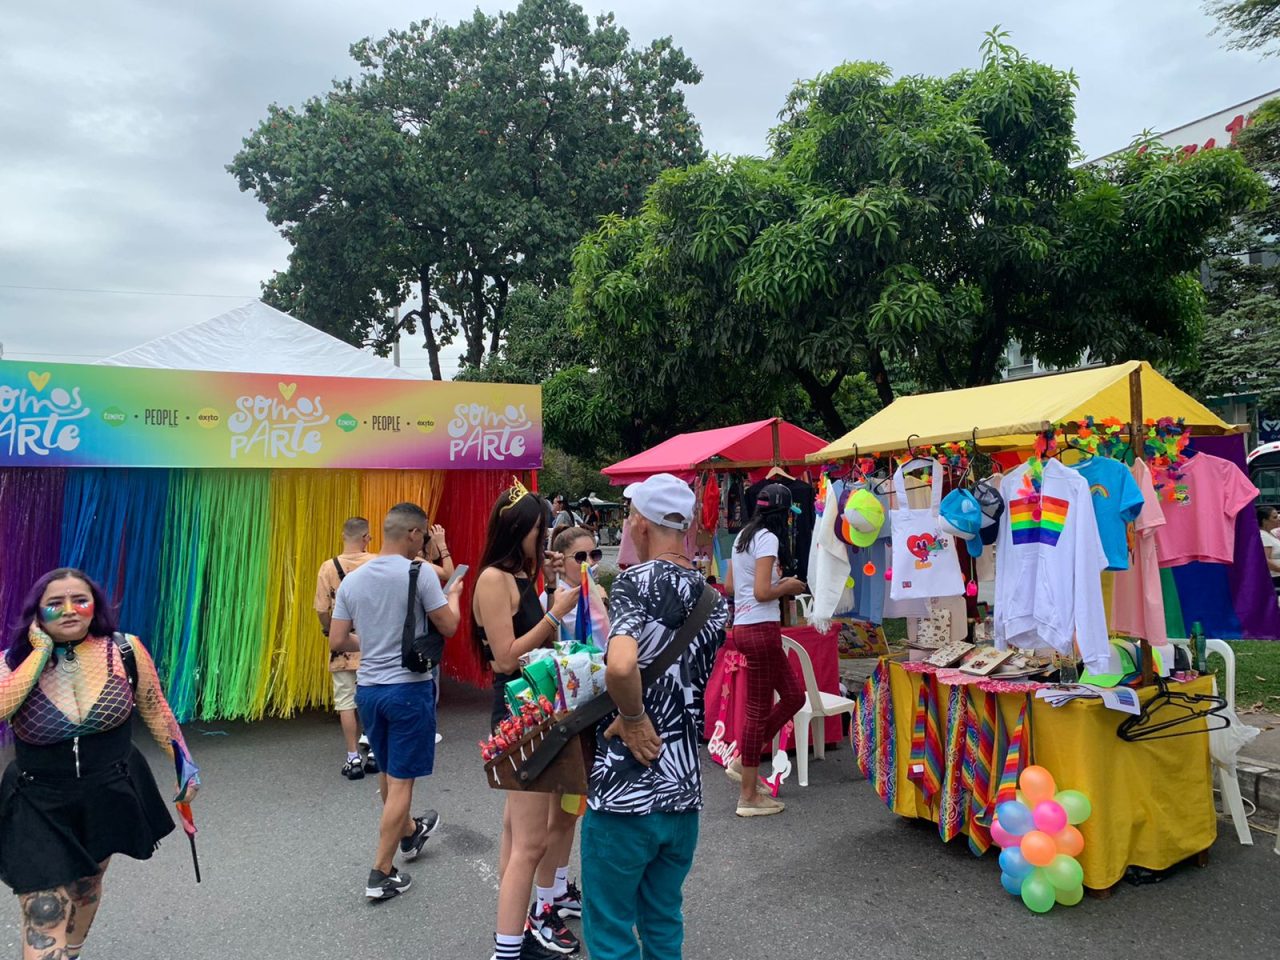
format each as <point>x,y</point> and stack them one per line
<point>510,622</point>
<point>78,791</point>
<point>761,551</point>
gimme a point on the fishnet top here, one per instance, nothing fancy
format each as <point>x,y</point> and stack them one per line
<point>84,694</point>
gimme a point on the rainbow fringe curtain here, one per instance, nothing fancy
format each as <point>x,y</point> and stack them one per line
<point>215,569</point>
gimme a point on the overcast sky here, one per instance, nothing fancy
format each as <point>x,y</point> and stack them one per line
<point>118,119</point>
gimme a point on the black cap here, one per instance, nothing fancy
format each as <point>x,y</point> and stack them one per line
<point>774,496</point>
<point>992,504</point>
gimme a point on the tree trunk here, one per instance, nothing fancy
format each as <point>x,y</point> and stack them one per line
<point>499,311</point>
<point>428,332</point>
<point>880,377</point>
<point>823,399</point>
<point>475,322</point>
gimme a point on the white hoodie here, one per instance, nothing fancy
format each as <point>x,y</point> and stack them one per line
<point>1048,581</point>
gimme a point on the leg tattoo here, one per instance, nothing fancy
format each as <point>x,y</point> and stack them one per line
<point>45,915</point>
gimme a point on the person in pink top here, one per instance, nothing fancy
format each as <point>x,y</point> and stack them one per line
<point>1200,511</point>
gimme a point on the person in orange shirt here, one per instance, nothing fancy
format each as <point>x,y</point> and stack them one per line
<point>343,666</point>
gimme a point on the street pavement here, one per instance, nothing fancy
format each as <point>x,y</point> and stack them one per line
<point>286,843</point>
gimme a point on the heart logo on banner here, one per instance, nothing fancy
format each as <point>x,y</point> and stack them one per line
<point>38,380</point>
<point>287,389</point>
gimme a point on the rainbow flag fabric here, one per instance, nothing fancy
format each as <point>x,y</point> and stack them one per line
<point>1038,519</point>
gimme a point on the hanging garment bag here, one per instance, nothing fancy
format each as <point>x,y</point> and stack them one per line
<point>924,558</point>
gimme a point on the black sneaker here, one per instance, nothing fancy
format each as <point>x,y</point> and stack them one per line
<point>570,903</point>
<point>353,769</point>
<point>532,949</point>
<point>370,763</point>
<point>549,928</point>
<point>384,886</point>
<point>424,827</point>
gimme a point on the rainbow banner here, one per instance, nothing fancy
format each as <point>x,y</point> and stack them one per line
<point>75,415</point>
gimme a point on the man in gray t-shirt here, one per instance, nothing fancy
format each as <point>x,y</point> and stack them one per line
<point>397,706</point>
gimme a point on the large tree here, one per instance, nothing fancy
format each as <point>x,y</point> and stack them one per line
<point>1253,24</point>
<point>461,162</point>
<point>1239,352</point>
<point>912,227</point>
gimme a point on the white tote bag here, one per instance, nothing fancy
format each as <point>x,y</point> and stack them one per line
<point>924,558</point>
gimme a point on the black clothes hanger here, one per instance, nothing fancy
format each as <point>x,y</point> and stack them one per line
<point>1169,710</point>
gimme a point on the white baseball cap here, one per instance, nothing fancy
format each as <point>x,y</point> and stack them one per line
<point>663,499</point>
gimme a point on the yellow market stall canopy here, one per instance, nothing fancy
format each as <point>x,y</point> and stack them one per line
<point>1008,414</point>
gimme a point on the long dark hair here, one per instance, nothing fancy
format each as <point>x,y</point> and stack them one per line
<point>509,523</point>
<point>775,522</point>
<point>102,625</point>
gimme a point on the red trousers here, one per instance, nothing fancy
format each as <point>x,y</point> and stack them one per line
<point>768,670</point>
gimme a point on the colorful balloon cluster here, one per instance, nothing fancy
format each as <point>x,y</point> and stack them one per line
<point>1040,842</point>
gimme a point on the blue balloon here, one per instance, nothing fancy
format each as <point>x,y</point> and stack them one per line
<point>1013,885</point>
<point>1015,817</point>
<point>1015,864</point>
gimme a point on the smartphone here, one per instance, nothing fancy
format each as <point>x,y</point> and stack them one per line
<point>458,573</point>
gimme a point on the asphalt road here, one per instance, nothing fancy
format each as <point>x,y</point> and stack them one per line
<point>286,844</point>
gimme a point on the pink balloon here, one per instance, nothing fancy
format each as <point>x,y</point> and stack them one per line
<point>1002,838</point>
<point>1049,816</point>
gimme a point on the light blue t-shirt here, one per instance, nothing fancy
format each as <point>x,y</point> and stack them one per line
<point>1117,501</point>
<point>374,598</point>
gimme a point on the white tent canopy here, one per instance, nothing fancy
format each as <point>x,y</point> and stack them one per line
<point>256,338</point>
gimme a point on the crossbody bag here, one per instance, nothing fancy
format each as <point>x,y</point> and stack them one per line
<point>419,652</point>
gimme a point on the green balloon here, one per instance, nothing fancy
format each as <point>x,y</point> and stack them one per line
<point>1069,898</point>
<point>1064,872</point>
<point>1037,892</point>
<point>1076,804</point>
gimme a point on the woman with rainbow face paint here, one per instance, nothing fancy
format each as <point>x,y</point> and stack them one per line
<point>78,791</point>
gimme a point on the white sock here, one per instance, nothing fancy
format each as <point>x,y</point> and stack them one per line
<point>352,756</point>
<point>562,881</point>
<point>546,897</point>
<point>507,946</point>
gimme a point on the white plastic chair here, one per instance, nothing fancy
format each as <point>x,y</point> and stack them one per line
<point>817,708</point>
<point>804,607</point>
<point>1228,779</point>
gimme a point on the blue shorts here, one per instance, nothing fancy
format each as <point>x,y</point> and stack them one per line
<point>400,721</point>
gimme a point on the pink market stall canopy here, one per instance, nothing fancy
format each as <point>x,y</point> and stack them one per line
<point>74,415</point>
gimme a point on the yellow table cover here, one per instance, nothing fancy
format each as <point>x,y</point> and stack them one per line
<point>1152,800</point>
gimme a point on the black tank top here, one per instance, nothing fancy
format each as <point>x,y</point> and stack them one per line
<point>528,612</point>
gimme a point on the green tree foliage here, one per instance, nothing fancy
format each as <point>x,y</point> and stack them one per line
<point>1253,24</point>
<point>1240,350</point>
<point>908,228</point>
<point>462,162</point>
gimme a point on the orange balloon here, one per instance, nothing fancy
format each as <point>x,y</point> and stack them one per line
<point>1037,784</point>
<point>1069,841</point>
<point>1038,847</point>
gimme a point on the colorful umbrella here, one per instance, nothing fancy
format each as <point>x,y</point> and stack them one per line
<point>186,772</point>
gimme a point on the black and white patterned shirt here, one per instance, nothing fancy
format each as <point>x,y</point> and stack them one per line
<point>649,602</point>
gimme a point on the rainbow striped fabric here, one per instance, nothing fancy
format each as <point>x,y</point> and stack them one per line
<point>1038,519</point>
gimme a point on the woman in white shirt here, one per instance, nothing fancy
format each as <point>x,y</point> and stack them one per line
<point>761,553</point>
<point>1268,521</point>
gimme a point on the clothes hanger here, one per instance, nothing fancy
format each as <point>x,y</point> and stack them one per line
<point>778,472</point>
<point>1176,710</point>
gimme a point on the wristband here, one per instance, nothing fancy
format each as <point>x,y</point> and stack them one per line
<point>555,621</point>
<point>635,719</point>
<point>445,554</point>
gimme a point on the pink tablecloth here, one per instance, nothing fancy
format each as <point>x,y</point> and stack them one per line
<point>728,678</point>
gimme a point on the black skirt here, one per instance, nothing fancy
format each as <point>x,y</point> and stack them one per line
<point>57,826</point>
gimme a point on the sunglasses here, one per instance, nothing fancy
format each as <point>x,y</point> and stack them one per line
<point>581,556</point>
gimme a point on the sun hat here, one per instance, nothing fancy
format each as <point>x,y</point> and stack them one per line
<point>860,520</point>
<point>961,516</point>
<point>663,499</point>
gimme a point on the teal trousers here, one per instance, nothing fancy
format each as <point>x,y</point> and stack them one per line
<point>633,871</point>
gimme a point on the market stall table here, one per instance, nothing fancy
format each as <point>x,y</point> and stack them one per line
<point>729,675</point>
<point>1152,800</point>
